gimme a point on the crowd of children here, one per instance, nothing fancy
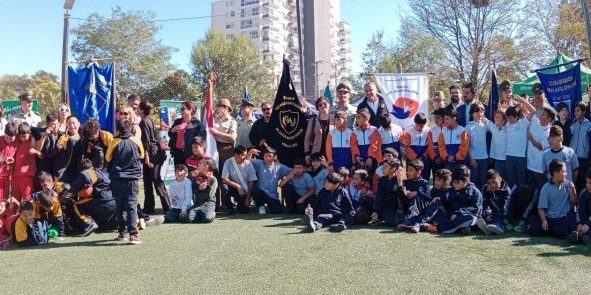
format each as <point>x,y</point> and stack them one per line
<point>465,172</point>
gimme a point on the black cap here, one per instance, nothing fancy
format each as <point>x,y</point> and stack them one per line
<point>538,88</point>
<point>343,87</point>
<point>28,96</point>
<point>246,103</point>
<point>505,85</point>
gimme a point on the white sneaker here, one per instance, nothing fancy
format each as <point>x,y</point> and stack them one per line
<point>262,210</point>
<point>482,226</point>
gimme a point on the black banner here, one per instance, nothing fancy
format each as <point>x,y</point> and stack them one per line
<point>288,123</point>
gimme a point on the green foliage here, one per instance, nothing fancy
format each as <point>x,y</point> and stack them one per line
<point>178,86</point>
<point>237,64</point>
<point>130,36</point>
<point>44,86</point>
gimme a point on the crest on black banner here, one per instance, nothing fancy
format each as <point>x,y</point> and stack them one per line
<point>289,121</point>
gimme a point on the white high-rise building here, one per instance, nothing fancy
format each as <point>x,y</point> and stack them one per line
<point>272,26</point>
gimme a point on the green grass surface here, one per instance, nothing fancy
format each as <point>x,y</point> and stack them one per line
<point>246,254</point>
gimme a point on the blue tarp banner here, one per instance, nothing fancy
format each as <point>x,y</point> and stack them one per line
<point>91,94</point>
<point>563,87</point>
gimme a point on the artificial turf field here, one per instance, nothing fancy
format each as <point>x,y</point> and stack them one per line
<point>244,254</point>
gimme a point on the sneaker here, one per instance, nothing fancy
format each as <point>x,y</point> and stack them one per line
<point>262,210</point>
<point>90,228</point>
<point>122,237</point>
<point>573,237</point>
<point>520,227</point>
<point>432,229</point>
<point>309,222</point>
<point>482,226</point>
<point>585,239</point>
<point>142,224</point>
<point>493,228</point>
<point>508,225</point>
<point>339,227</point>
<point>155,220</point>
<point>134,240</point>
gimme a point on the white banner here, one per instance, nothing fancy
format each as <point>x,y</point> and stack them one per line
<point>405,95</point>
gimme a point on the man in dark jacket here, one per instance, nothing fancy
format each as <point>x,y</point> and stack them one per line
<point>259,133</point>
<point>374,103</point>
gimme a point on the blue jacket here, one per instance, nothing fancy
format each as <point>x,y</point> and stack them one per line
<point>584,207</point>
<point>467,201</point>
<point>497,202</point>
<point>336,202</point>
<point>125,157</point>
<point>388,193</point>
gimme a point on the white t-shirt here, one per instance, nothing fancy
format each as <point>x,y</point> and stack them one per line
<point>534,155</point>
<point>477,131</point>
<point>498,143</point>
<point>517,136</point>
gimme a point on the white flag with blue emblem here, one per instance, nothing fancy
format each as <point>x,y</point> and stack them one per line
<point>405,95</point>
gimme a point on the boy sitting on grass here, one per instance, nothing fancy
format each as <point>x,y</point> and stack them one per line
<point>496,201</point>
<point>8,214</point>
<point>414,185</point>
<point>47,206</point>
<point>333,208</point>
<point>205,186</point>
<point>462,205</point>
<point>390,191</point>
<point>555,205</point>
<point>181,195</point>
<point>27,232</point>
<point>298,188</point>
<point>361,196</point>
<point>318,171</point>
<point>584,210</point>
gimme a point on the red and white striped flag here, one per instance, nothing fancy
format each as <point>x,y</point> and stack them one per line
<point>211,149</point>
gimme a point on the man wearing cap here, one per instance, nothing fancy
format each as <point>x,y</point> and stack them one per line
<point>438,98</point>
<point>343,105</point>
<point>373,102</point>
<point>224,130</point>
<point>245,123</point>
<point>26,114</point>
<point>506,96</point>
<point>539,97</point>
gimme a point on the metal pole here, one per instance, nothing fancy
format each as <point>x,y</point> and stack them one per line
<point>65,98</point>
<point>587,22</point>
<point>316,78</point>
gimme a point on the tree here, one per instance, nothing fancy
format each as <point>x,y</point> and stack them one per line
<point>142,61</point>
<point>470,33</point>
<point>178,85</point>
<point>375,52</point>
<point>237,64</point>
<point>44,86</point>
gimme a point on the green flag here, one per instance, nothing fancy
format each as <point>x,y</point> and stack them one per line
<point>327,94</point>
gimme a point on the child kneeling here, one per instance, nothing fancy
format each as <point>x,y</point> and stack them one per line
<point>333,207</point>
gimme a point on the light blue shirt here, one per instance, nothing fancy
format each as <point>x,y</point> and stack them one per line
<point>269,176</point>
<point>517,135</point>
<point>565,154</point>
<point>319,180</point>
<point>303,184</point>
<point>580,138</point>
<point>477,131</point>
<point>555,199</point>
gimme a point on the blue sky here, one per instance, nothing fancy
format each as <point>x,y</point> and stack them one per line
<point>31,35</point>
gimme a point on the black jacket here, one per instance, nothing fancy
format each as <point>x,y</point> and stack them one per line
<point>194,128</point>
<point>382,109</point>
<point>125,158</point>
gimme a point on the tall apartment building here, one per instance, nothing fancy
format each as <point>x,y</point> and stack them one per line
<point>272,26</point>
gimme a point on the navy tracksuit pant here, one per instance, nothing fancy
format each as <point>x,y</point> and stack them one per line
<point>125,192</point>
<point>557,227</point>
<point>261,198</point>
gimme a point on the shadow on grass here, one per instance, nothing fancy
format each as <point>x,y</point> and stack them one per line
<point>69,242</point>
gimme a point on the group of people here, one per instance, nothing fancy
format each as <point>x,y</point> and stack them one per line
<point>463,167</point>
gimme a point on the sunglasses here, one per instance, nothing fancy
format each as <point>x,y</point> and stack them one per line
<point>125,113</point>
<point>65,110</point>
<point>265,109</point>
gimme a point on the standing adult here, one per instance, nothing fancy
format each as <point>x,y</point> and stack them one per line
<point>438,98</point>
<point>259,133</point>
<point>245,125</point>
<point>343,105</point>
<point>155,158</point>
<point>539,98</point>
<point>182,132</point>
<point>317,131</point>
<point>468,95</point>
<point>25,113</point>
<point>3,120</point>
<point>374,102</point>
<point>455,98</point>
<point>224,130</point>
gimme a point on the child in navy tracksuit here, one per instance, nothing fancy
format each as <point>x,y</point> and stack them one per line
<point>584,210</point>
<point>462,205</point>
<point>333,207</point>
<point>362,196</point>
<point>125,155</point>
<point>522,203</point>
<point>415,186</point>
<point>423,209</point>
<point>390,191</point>
<point>496,194</point>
